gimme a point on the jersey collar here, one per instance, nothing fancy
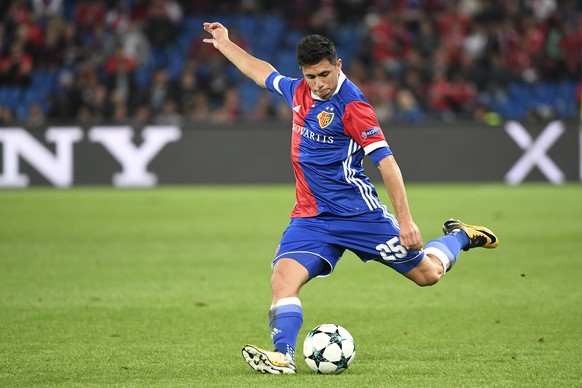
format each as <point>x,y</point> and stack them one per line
<point>341,79</point>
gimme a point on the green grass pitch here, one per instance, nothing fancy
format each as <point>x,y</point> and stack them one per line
<point>162,287</point>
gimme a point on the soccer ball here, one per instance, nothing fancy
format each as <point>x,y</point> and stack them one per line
<point>329,348</point>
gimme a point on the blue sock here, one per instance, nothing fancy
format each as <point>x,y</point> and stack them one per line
<point>285,320</point>
<point>462,236</point>
<point>447,248</point>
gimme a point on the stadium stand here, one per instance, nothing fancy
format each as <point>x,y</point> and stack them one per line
<point>95,60</point>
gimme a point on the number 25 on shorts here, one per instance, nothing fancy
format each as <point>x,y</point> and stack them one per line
<point>392,250</point>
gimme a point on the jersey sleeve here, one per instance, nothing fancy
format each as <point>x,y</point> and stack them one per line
<point>361,124</point>
<point>285,86</point>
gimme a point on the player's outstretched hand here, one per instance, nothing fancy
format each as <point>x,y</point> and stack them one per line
<point>218,31</point>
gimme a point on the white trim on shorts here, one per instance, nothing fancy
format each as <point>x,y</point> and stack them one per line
<point>307,252</point>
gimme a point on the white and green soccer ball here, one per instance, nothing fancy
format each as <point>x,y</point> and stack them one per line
<point>329,348</point>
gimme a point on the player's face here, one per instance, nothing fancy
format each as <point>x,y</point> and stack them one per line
<point>323,77</point>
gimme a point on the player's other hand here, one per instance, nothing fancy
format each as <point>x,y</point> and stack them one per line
<point>218,31</point>
<point>410,237</point>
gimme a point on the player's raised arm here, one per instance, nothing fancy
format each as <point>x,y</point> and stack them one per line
<point>254,68</point>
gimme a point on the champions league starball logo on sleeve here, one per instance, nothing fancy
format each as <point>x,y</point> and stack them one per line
<point>370,132</point>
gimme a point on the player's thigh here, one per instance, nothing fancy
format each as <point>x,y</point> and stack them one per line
<point>306,242</point>
<point>377,237</point>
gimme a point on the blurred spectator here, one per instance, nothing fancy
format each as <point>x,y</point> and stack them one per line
<point>462,95</point>
<point>452,20</point>
<point>120,74</point>
<point>66,100</point>
<point>475,42</point>
<point>86,82</point>
<point>263,108</point>
<point>135,44</point>
<point>542,9</point>
<point>473,70</point>
<point>552,61</point>
<point>198,107</point>
<point>71,46</point>
<point>283,112</point>
<point>230,112</point>
<point>162,23</point>
<point>16,66</point>
<point>428,39</point>
<point>439,94</point>
<point>390,41</point>
<point>120,62</point>
<point>117,17</point>
<point>169,114</point>
<point>88,15</point>
<point>142,115</point>
<point>17,14</point>
<point>100,44</point>
<point>30,36</point>
<point>406,107</point>
<point>35,116</point>
<point>497,75</point>
<point>51,53</point>
<point>356,71</point>
<point>97,101</point>
<point>452,42</point>
<point>321,22</point>
<point>217,81</point>
<point>533,37</point>
<point>119,107</point>
<point>380,90</point>
<point>298,11</point>
<point>47,8</point>
<point>157,93</point>
<point>416,82</point>
<point>571,47</point>
<point>84,115</point>
<point>186,90</point>
<point>6,116</point>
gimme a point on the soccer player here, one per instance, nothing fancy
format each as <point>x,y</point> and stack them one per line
<point>337,207</point>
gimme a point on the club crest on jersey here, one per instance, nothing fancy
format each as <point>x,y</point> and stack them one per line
<point>325,118</point>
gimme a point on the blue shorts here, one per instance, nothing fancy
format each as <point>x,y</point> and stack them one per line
<point>318,243</point>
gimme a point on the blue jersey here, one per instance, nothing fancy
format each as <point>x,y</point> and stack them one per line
<point>329,141</point>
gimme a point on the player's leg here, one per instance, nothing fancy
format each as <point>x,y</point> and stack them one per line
<point>286,312</point>
<point>429,271</point>
<point>287,279</point>
<point>376,236</point>
<point>441,254</point>
<point>298,260</point>
<point>285,320</point>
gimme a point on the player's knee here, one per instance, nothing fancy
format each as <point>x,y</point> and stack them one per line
<point>282,287</point>
<point>428,279</point>
<point>287,278</point>
<point>425,274</point>
<point>277,286</point>
<point>425,278</point>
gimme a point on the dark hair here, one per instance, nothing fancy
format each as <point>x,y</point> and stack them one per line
<point>313,49</point>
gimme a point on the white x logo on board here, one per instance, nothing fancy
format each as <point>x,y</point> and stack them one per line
<point>535,152</point>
